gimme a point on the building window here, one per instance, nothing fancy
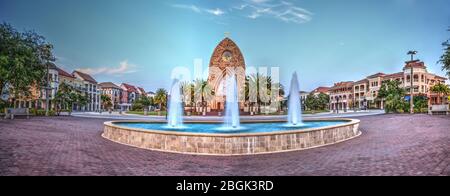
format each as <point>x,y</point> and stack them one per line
<point>416,78</point>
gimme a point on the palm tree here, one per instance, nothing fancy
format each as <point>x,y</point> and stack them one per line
<point>442,90</point>
<point>445,58</point>
<point>254,88</point>
<point>160,98</point>
<point>188,94</point>
<point>106,101</point>
<point>204,93</point>
<point>146,102</point>
<point>394,95</point>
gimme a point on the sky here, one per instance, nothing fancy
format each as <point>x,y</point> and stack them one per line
<point>324,41</point>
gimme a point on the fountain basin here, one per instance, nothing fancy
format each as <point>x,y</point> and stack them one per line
<point>253,137</point>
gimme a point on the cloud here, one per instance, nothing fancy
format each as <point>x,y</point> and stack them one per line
<point>216,11</point>
<point>123,68</point>
<point>197,9</point>
<point>188,7</point>
<point>282,10</point>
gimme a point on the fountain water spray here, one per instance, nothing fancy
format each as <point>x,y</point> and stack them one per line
<point>175,115</point>
<point>295,108</point>
<point>232,105</point>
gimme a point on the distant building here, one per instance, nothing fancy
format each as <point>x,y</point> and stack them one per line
<point>90,88</point>
<point>140,92</point>
<point>303,96</point>
<point>37,97</point>
<point>113,91</point>
<point>151,94</point>
<point>319,90</point>
<point>341,96</point>
<point>129,95</point>
<point>364,93</point>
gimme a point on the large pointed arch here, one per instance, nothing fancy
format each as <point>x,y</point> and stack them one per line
<point>227,55</point>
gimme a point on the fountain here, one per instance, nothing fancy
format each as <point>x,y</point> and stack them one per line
<point>232,104</point>
<point>295,108</point>
<point>203,137</point>
<point>175,115</point>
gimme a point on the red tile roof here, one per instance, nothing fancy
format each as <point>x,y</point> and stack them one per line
<point>342,84</point>
<point>85,76</point>
<point>129,88</point>
<point>362,81</point>
<point>142,90</point>
<point>376,75</point>
<point>109,85</point>
<point>321,89</point>
<point>64,73</point>
<point>394,75</point>
<point>439,77</point>
<point>415,64</point>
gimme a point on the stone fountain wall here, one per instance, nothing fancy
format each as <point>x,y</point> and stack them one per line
<point>238,144</point>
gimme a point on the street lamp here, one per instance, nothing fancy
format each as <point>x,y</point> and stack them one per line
<point>337,105</point>
<point>411,100</point>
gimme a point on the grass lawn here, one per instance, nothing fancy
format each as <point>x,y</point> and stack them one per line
<point>150,113</point>
<point>315,111</point>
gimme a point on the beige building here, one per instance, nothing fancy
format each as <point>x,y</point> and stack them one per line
<point>341,96</point>
<point>364,93</point>
<point>113,91</point>
<point>90,88</point>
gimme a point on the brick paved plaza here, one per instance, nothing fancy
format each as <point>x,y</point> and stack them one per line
<point>390,145</point>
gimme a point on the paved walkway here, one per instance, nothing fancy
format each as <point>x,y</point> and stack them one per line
<point>390,145</point>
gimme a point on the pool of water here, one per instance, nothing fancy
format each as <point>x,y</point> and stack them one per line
<point>220,129</point>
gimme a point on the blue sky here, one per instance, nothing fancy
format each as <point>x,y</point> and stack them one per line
<point>325,41</point>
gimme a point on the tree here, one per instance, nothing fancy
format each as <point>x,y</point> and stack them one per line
<point>203,92</point>
<point>442,90</point>
<point>63,98</point>
<point>319,102</point>
<point>81,99</point>
<point>394,96</point>
<point>323,101</point>
<point>310,102</point>
<point>258,90</point>
<point>445,58</point>
<point>23,59</point>
<point>188,94</point>
<point>145,102</point>
<point>420,103</point>
<point>161,98</point>
<point>106,102</point>
<point>66,97</point>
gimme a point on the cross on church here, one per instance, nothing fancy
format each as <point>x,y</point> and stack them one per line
<point>227,34</point>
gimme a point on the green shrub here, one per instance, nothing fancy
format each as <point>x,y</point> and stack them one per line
<point>41,112</point>
<point>137,107</point>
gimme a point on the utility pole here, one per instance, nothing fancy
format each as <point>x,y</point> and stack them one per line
<point>411,100</point>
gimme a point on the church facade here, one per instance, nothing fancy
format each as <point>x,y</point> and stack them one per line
<point>226,60</point>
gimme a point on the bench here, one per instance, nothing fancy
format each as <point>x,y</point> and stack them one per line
<point>12,112</point>
<point>439,109</point>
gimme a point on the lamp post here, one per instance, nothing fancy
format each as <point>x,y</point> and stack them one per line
<point>337,105</point>
<point>411,100</point>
